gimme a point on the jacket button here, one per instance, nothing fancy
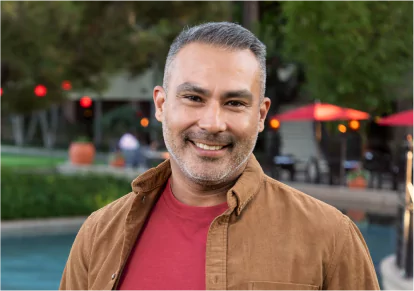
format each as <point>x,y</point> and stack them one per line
<point>113,276</point>
<point>215,279</point>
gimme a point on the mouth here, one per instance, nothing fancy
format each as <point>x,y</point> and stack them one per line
<point>209,149</point>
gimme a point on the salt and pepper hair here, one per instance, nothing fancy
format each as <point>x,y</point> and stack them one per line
<point>220,34</point>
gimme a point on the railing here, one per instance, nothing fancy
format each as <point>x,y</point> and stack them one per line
<point>404,259</point>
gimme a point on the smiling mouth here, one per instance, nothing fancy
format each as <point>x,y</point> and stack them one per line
<point>208,147</point>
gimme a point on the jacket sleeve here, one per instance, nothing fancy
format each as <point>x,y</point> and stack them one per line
<point>75,274</point>
<point>351,267</point>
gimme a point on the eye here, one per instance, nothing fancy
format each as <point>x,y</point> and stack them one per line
<point>235,103</point>
<point>193,98</point>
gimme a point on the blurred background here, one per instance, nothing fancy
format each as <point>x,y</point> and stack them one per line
<point>77,116</point>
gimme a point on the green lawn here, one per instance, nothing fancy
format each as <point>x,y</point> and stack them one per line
<point>12,160</point>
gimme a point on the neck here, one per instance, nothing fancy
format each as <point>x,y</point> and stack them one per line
<point>195,194</point>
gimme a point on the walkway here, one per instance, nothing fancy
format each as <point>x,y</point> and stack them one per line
<point>380,202</point>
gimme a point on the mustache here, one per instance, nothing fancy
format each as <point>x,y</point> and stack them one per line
<point>220,138</point>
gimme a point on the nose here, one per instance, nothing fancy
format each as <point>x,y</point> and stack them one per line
<point>212,119</point>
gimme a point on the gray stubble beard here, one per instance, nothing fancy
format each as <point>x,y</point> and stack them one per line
<point>220,178</point>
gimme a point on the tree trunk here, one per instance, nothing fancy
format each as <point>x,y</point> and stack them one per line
<point>44,126</point>
<point>97,123</point>
<point>49,130</point>
<point>250,14</point>
<point>18,129</point>
<point>34,120</point>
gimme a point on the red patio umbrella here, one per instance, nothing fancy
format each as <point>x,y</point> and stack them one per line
<point>404,118</point>
<point>321,112</point>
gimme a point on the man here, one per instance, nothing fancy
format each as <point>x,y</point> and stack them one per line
<point>209,218</point>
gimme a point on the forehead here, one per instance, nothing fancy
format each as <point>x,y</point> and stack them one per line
<point>216,68</point>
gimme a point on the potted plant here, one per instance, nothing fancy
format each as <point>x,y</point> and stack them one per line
<point>117,160</point>
<point>82,151</point>
<point>357,178</point>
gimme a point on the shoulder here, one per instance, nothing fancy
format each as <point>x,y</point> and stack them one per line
<point>312,212</point>
<point>282,191</point>
<point>304,219</point>
<point>113,213</point>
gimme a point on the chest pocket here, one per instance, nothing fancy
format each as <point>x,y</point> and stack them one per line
<point>265,285</point>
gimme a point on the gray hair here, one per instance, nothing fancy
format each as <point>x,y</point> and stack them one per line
<point>221,34</point>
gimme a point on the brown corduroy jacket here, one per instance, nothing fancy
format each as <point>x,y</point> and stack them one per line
<point>271,237</point>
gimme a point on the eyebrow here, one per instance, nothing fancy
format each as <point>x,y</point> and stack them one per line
<point>191,87</point>
<point>244,94</point>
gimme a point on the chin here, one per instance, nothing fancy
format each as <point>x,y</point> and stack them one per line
<point>207,181</point>
<point>203,178</point>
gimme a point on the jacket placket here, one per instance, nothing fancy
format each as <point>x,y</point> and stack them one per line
<point>216,253</point>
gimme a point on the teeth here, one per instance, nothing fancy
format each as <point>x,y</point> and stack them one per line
<point>207,147</point>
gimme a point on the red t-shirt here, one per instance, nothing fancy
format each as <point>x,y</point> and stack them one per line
<point>170,253</point>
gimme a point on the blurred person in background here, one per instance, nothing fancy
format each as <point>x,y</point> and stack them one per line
<point>131,149</point>
<point>209,218</point>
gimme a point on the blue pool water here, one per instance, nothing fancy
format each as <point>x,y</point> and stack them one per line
<point>381,241</point>
<point>36,263</point>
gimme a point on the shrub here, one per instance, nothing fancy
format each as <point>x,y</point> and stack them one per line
<point>36,195</point>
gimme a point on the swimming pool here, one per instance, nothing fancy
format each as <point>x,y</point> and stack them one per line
<point>36,263</point>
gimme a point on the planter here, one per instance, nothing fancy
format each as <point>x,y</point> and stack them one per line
<point>357,182</point>
<point>118,162</point>
<point>81,153</point>
<point>356,215</point>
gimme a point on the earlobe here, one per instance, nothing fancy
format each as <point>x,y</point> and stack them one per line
<point>261,126</point>
<point>264,109</point>
<point>159,100</point>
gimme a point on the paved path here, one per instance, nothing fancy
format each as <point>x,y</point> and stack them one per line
<point>373,201</point>
<point>27,227</point>
<point>43,152</point>
<point>392,278</point>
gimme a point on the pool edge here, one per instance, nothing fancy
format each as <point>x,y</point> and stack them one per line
<point>47,226</point>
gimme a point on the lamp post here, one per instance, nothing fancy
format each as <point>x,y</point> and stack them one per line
<point>342,129</point>
<point>407,242</point>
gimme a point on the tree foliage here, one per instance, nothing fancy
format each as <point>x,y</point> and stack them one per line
<point>355,53</point>
<point>86,42</point>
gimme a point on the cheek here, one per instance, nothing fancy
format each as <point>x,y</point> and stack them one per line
<point>179,118</point>
<point>244,126</point>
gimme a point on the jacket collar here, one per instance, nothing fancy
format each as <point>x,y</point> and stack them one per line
<point>246,187</point>
<point>248,183</point>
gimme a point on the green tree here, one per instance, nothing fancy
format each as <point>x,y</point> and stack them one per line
<point>355,53</point>
<point>86,43</point>
<point>31,51</point>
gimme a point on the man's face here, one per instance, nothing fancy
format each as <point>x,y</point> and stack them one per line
<point>213,112</point>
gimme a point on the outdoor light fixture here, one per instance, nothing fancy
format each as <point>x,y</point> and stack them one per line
<point>342,128</point>
<point>66,85</point>
<point>354,124</point>
<point>144,122</point>
<point>40,91</point>
<point>274,123</point>
<point>85,102</point>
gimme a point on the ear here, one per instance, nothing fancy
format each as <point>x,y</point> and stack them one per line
<point>264,109</point>
<point>159,99</point>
